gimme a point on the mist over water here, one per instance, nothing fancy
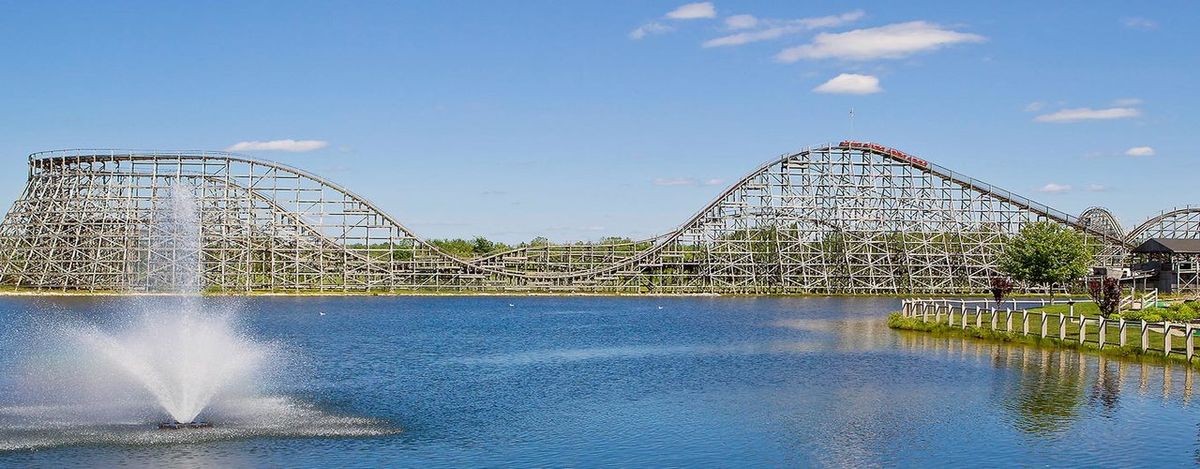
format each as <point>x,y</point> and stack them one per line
<point>182,354</point>
<point>184,359</point>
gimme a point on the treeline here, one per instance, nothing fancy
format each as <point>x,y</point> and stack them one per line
<point>478,246</point>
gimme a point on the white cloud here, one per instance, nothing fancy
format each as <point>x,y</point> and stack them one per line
<point>693,11</point>
<point>1053,188</point>
<point>649,29</point>
<point>893,41</point>
<point>850,83</point>
<point>1097,188</point>
<point>1034,106</point>
<point>279,145</point>
<point>674,182</point>
<point>1135,22</point>
<point>687,182</point>
<point>741,22</point>
<point>1127,102</point>
<point>1084,113</point>
<point>1140,151</point>
<point>774,29</point>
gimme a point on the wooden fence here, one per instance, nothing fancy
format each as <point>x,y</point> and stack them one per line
<point>1015,317</point>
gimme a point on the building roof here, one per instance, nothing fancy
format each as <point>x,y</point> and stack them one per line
<point>1169,246</point>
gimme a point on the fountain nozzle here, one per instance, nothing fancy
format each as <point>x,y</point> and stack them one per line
<point>182,426</point>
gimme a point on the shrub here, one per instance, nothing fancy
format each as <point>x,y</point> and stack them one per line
<point>1147,314</point>
<point>1106,292</point>
<point>1182,312</point>
<point>1001,286</point>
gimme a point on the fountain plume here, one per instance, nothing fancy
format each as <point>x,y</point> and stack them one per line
<point>179,352</point>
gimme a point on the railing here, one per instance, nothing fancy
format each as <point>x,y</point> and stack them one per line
<point>1148,299</point>
<point>1015,317</point>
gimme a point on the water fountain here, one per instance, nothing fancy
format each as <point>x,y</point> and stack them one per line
<point>182,354</point>
<point>169,361</point>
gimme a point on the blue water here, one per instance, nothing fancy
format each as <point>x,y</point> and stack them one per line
<point>588,381</point>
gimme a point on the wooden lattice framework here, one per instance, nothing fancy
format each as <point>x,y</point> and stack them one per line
<point>848,218</point>
<point>1178,223</point>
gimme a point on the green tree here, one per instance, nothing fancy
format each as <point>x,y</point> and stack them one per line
<point>482,246</point>
<point>1046,253</point>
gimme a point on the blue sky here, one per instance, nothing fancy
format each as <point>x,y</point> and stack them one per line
<point>576,120</point>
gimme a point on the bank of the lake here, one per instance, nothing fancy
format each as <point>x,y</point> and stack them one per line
<point>666,381</point>
<point>1075,326</point>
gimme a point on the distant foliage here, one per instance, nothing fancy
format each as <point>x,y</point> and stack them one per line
<point>1046,253</point>
<point>1106,292</point>
<point>466,249</point>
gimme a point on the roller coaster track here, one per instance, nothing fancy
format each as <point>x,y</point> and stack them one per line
<point>1181,222</point>
<point>852,218</point>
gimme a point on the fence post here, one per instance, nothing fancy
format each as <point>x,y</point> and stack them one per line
<point>1007,320</point>
<point>937,314</point>
<point>1188,330</point>
<point>1145,336</point>
<point>1025,322</point>
<point>1103,331</point>
<point>993,319</point>
<point>1166,338</point>
<point>1071,308</point>
<point>1043,324</point>
<point>1062,326</point>
<point>1082,329</point>
<point>1121,327</point>
<point>978,318</point>
<point>924,312</point>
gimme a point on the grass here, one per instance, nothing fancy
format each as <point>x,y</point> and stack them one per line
<point>1131,350</point>
<point>1087,309</point>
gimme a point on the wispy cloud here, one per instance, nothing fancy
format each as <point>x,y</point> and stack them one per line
<point>1127,102</point>
<point>736,22</point>
<point>688,182</point>
<point>1136,22</point>
<point>850,83</point>
<point>1034,106</point>
<point>649,29</point>
<point>1085,113</point>
<point>279,145</point>
<point>690,11</point>
<point>1097,188</point>
<point>893,41</point>
<point>693,11</point>
<point>767,29</point>
<point>1053,188</point>
<point>1140,151</point>
<point>674,182</point>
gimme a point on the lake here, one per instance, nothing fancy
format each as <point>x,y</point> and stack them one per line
<point>611,381</point>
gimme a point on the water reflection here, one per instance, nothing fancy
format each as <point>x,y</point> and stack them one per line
<point>1047,391</point>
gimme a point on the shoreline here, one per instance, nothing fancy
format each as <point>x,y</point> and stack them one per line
<point>401,293</point>
<point>897,322</point>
